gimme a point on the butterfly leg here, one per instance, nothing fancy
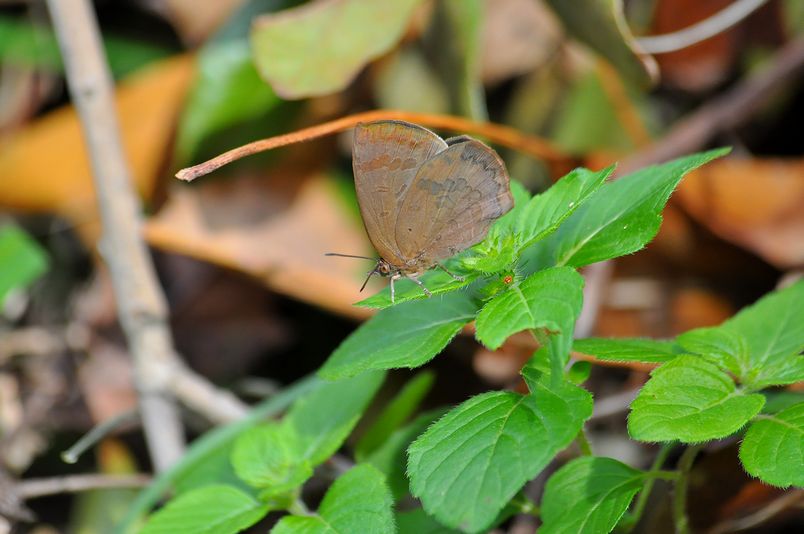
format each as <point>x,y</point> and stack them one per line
<point>419,283</point>
<point>396,276</point>
<point>455,276</point>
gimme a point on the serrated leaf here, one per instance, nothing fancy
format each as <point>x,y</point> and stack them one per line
<point>359,501</point>
<point>390,458</point>
<point>215,509</point>
<point>773,327</point>
<point>270,457</point>
<point>418,522</point>
<point>627,349</point>
<point>406,335</point>
<point>620,218</point>
<point>279,457</point>
<point>549,299</point>
<point>318,48</point>
<point>467,466</point>
<point>589,494</point>
<point>725,348</point>
<point>395,413</point>
<point>22,260</point>
<point>689,399</point>
<point>545,212</point>
<point>325,417</point>
<point>773,448</point>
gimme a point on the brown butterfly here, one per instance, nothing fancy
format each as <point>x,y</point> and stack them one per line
<point>423,199</point>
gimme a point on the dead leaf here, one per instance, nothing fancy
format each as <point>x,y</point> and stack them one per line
<point>518,36</point>
<point>755,203</point>
<point>233,224</point>
<point>45,165</point>
<point>193,22</point>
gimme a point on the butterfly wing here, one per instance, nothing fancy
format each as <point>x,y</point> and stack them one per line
<point>452,201</point>
<point>386,156</point>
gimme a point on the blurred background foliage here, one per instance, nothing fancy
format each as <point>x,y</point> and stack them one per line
<point>240,253</point>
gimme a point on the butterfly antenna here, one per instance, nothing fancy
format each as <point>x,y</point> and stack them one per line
<point>349,256</point>
<point>370,274</point>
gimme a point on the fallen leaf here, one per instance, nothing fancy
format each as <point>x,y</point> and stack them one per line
<point>233,224</point>
<point>193,22</point>
<point>755,203</point>
<point>318,48</point>
<point>46,167</point>
<point>518,36</point>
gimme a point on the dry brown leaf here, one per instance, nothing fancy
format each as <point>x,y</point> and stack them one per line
<point>45,165</point>
<point>756,203</point>
<point>234,224</point>
<point>518,36</point>
<point>194,20</point>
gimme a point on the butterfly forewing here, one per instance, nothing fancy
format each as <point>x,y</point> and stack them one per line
<point>452,201</point>
<point>387,155</point>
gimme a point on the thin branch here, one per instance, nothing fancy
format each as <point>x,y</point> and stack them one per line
<point>40,487</point>
<point>700,31</point>
<point>140,304</point>
<point>787,500</point>
<point>644,495</point>
<point>97,433</point>
<point>497,133</point>
<point>726,111</point>
<point>680,517</point>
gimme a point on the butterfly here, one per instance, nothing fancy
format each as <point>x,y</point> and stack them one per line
<point>423,199</point>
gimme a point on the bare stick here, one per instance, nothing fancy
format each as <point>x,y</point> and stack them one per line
<point>97,433</point>
<point>788,499</point>
<point>700,31</point>
<point>40,487</point>
<point>498,133</point>
<point>727,111</point>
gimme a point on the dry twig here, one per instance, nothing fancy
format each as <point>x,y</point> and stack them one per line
<point>140,302</point>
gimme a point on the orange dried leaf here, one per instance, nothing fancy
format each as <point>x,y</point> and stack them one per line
<point>45,165</point>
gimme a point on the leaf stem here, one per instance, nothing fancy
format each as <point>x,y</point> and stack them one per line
<point>583,443</point>
<point>682,484</point>
<point>653,474</point>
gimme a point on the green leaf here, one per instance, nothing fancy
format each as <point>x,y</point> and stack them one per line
<point>22,260</point>
<point>227,90</point>
<point>544,213</point>
<point>601,25</point>
<point>620,218</point>
<point>278,457</point>
<point>773,448</point>
<point>549,299</point>
<point>627,349</point>
<point>586,118</point>
<point>216,509</point>
<point>418,522</point>
<point>395,413</point>
<point>26,44</point>
<point>773,327</point>
<point>689,399</point>
<point>325,417</point>
<point>359,501</point>
<point>467,466</point>
<point>318,48</point>
<point>725,348</point>
<point>405,335</point>
<point>589,494</point>
<point>269,457</point>
<point>209,447</point>
<point>390,457</point>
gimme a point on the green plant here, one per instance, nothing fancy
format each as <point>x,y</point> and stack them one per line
<point>467,465</point>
